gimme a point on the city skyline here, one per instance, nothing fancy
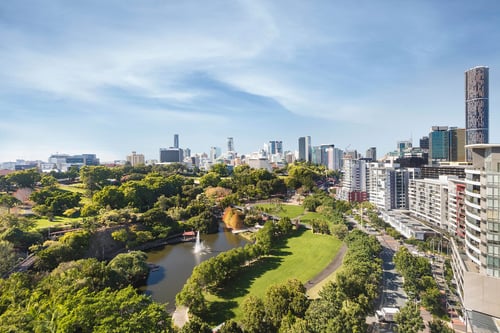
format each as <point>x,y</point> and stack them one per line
<point>114,77</point>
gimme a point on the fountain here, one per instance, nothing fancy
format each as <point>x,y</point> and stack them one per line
<point>198,246</point>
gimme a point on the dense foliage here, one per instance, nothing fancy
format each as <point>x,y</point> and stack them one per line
<point>419,283</point>
<point>82,296</point>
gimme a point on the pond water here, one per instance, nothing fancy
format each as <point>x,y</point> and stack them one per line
<point>176,263</point>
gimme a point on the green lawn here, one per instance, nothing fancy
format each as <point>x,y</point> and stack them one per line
<point>73,188</point>
<point>291,211</point>
<point>42,222</point>
<point>309,216</point>
<point>303,256</point>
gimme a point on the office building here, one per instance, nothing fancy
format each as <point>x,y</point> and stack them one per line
<point>135,159</point>
<point>456,139</point>
<point>305,151</point>
<point>171,155</point>
<point>230,144</point>
<point>176,140</point>
<point>215,153</point>
<point>275,147</point>
<point>476,106</point>
<point>424,142</point>
<point>439,144</point>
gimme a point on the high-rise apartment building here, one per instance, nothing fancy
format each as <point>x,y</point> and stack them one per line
<point>476,262</point>
<point>305,150</point>
<point>476,106</point>
<point>354,184</point>
<point>387,186</point>
<point>135,159</point>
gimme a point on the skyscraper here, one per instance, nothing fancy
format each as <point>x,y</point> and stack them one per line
<point>276,147</point>
<point>476,106</point>
<point>230,144</point>
<point>176,140</point>
<point>305,151</point>
<point>439,144</point>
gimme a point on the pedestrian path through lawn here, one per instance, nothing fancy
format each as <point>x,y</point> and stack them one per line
<point>303,256</point>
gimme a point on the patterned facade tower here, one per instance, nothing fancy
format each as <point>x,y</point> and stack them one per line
<point>476,106</point>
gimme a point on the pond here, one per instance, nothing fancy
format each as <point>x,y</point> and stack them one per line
<point>176,263</point>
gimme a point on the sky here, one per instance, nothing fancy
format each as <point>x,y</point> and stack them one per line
<point>114,76</point>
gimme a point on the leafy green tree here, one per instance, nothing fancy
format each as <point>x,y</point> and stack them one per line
<point>24,178</point>
<point>230,326</point>
<point>196,325</point>
<point>156,216</point>
<point>409,319</point>
<point>220,169</point>
<point>8,255</point>
<point>109,196</point>
<point>283,299</point>
<point>210,179</point>
<point>339,230</point>
<point>48,181</point>
<point>8,201</point>
<point>130,268</point>
<point>111,311</point>
<point>254,316</point>
<point>439,326</point>
<point>21,239</point>
<point>94,178</point>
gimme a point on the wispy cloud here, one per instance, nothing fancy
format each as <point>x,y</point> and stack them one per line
<point>215,67</point>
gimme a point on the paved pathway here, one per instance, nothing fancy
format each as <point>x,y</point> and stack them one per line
<point>180,316</point>
<point>332,267</point>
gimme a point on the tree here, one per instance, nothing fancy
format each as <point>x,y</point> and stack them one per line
<point>210,179</point>
<point>283,299</point>
<point>96,177</point>
<point>9,201</point>
<point>130,268</point>
<point>195,325</point>
<point>230,326</point>
<point>439,326</point>
<point>254,316</point>
<point>25,178</point>
<point>8,255</point>
<point>339,230</point>
<point>110,196</point>
<point>409,319</point>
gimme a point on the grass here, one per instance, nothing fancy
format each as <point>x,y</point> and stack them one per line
<point>291,211</point>
<point>42,222</point>
<point>313,293</point>
<point>302,256</point>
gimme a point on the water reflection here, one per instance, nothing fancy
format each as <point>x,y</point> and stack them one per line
<point>176,263</point>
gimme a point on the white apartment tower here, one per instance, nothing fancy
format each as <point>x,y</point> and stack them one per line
<point>476,262</point>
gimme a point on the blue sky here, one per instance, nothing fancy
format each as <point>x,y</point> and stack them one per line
<point>109,77</point>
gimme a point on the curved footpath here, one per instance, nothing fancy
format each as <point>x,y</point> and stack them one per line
<point>332,267</point>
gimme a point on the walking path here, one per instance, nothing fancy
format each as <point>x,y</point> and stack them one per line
<point>332,267</point>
